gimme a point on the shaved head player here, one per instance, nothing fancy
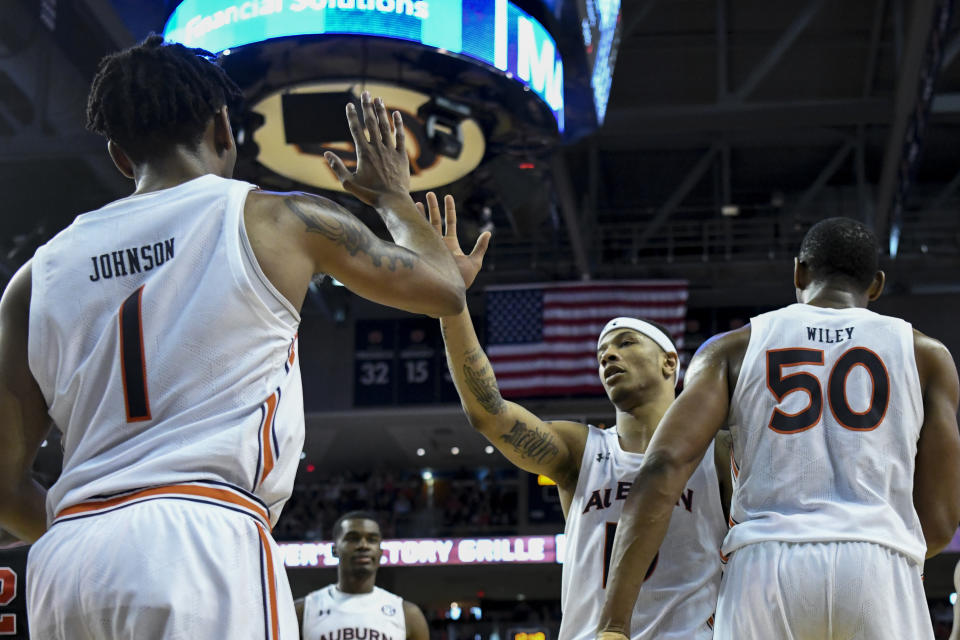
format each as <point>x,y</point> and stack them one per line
<point>354,606</point>
<point>846,452</point>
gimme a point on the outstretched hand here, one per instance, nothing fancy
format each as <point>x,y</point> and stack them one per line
<point>382,163</point>
<point>469,265</point>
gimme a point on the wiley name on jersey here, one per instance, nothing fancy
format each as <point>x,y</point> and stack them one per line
<point>829,335</point>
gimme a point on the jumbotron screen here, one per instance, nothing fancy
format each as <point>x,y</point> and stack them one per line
<point>600,23</point>
<point>494,32</point>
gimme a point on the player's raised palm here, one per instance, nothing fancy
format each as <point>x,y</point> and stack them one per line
<point>469,265</point>
<point>382,163</point>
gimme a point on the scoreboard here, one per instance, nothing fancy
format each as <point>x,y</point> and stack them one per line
<point>399,362</point>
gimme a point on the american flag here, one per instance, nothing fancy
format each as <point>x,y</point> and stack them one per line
<point>542,338</point>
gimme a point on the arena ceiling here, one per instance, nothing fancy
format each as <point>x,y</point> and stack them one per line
<point>781,112</point>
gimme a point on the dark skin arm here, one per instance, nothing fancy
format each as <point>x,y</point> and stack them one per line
<point>936,477</point>
<point>553,449</point>
<point>417,628</point>
<point>721,459</point>
<point>24,421</point>
<point>681,440</point>
<point>297,235</point>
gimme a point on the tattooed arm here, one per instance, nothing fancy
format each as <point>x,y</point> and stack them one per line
<point>297,235</point>
<point>551,448</point>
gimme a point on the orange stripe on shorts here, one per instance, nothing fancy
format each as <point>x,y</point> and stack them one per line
<point>221,495</point>
<point>271,584</point>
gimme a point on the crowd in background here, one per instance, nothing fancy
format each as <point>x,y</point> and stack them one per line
<point>463,502</point>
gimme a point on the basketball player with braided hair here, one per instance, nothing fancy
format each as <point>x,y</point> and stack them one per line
<point>159,333</point>
<point>846,456</point>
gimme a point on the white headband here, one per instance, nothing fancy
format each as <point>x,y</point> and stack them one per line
<point>663,340</point>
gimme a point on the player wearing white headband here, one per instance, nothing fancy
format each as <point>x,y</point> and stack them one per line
<point>647,329</point>
<point>593,468</point>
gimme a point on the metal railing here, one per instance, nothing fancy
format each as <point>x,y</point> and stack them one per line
<point>613,245</point>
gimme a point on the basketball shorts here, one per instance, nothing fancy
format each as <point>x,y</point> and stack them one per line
<point>821,591</point>
<point>171,569</point>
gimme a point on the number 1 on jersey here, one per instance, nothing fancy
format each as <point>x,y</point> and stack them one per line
<point>133,367</point>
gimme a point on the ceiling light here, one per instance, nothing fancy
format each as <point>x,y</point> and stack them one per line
<point>730,210</point>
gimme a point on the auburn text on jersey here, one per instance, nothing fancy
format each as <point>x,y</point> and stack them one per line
<point>601,498</point>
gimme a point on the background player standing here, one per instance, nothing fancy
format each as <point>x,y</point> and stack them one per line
<point>355,602</point>
<point>593,467</point>
<point>846,452</point>
<point>160,333</point>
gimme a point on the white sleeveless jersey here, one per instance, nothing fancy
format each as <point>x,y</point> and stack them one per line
<point>825,419</point>
<point>679,596</point>
<point>164,354</point>
<point>331,614</point>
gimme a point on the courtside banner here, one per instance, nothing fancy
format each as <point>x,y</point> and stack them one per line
<point>437,552</point>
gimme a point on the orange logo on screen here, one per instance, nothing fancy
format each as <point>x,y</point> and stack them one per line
<point>428,170</point>
<point>535,635</point>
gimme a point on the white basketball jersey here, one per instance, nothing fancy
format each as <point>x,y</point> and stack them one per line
<point>163,352</point>
<point>331,614</point>
<point>825,419</point>
<point>679,596</point>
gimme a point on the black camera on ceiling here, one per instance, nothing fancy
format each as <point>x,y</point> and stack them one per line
<point>442,118</point>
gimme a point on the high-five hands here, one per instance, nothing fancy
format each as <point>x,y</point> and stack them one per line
<point>382,163</point>
<point>469,265</point>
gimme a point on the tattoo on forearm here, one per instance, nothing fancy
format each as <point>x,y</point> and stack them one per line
<point>354,237</point>
<point>531,443</point>
<point>482,383</point>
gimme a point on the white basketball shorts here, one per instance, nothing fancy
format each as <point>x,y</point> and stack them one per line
<point>187,562</point>
<point>821,591</point>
